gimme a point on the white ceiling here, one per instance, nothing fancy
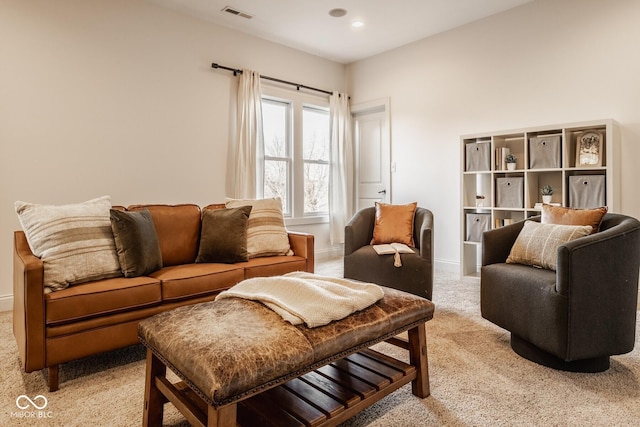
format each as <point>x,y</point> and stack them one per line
<point>307,26</point>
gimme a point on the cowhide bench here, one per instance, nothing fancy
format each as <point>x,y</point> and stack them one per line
<point>241,364</point>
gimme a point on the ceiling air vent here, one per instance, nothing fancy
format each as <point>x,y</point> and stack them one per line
<point>236,12</point>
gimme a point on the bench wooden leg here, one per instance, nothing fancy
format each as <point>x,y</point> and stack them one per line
<point>418,358</point>
<point>153,398</point>
<point>222,417</point>
<point>52,377</point>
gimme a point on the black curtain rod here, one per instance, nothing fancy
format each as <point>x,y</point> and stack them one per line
<point>273,79</point>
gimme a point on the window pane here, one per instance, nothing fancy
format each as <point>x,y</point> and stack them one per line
<point>274,125</point>
<point>275,181</point>
<point>315,129</point>
<point>316,188</point>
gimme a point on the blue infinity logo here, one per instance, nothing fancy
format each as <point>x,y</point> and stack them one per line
<point>22,398</point>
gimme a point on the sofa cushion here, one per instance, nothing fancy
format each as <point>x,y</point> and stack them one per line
<point>224,235</point>
<point>537,244</point>
<point>266,233</point>
<point>178,230</point>
<point>569,216</point>
<point>136,242</point>
<point>74,241</point>
<point>101,297</point>
<point>190,280</point>
<point>394,224</point>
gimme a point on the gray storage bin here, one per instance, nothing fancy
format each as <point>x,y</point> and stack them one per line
<point>477,223</point>
<point>510,192</point>
<point>478,156</point>
<point>544,152</point>
<point>587,191</point>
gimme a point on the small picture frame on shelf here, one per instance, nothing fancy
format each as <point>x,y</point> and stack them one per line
<point>589,149</point>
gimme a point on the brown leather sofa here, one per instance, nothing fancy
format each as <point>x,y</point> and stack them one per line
<point>89,318</point>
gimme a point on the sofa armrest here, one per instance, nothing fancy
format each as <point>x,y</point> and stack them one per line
<point>497,243</point>
<point>28,304</point>
<point>359,231</point>
<point>598,275</point>
<point>600,259</point>
<point>423,230</point>
<point>302,244</point>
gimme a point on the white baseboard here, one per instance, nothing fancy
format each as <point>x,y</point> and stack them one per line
<point>6,302</point>
<point>445,265</point>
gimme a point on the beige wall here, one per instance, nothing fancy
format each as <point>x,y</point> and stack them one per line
<point>117,97</point>
<point>547,62</point>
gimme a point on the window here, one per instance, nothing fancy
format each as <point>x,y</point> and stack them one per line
<point>315,148</point>
<point>277,151</point>
<point>297,152</point>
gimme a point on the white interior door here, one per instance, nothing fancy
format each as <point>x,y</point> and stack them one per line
<point>372,145</point>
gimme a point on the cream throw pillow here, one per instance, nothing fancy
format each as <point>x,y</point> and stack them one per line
<point>537,244</point>
<point>266,233</point>
<point>74,242</point>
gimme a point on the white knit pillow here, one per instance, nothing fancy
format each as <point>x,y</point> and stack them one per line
<point>74,242</point>
<point>266,233</point>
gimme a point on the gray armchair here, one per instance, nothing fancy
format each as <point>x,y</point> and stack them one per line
<point>573,318</point>
<point>361,262</point>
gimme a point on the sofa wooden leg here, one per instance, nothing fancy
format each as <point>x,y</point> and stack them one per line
<point>52,377</point>
<point>418,358</point>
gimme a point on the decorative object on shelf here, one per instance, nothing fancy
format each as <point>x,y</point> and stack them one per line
<point>589,149</point>
<point>501,154</point>
<point>547,192</point>
<point>479,201</point>
<point>511,161</point>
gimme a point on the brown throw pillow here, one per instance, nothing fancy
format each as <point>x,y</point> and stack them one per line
<point>224,235</point>
<point>394,224</point>
<point>569,216</point>
<point>266,232</point>
<point>537,244</point>
<point>137,243</point>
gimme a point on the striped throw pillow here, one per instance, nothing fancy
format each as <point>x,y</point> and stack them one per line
<point>74,242</point>
<point>266,233</point>
<point>537,244</point>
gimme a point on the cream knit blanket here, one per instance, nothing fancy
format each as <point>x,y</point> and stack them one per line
<point>301,297</point>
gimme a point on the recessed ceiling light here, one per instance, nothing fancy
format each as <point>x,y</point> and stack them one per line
<point>337,13</point>
<point>357,24</point>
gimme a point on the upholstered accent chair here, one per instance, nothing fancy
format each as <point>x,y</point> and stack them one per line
<point>577,316</point>
<point>361,262</point>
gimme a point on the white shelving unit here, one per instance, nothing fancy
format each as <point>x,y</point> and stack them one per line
<point>481,181</point>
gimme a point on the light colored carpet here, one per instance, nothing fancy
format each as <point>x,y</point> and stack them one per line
<point>476,380</point>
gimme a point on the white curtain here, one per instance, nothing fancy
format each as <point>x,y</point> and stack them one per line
<point>249,167</point>
<point>341,167</point>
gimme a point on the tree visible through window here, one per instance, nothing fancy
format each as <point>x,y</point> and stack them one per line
<point>315,123</point>
<point>296,147</point>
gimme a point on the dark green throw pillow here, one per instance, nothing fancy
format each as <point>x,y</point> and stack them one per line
<point>137,243</point>
<point>224,235</point>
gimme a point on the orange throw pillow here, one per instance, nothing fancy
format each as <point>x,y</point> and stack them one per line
<point>569,216</point>
<point>394,224</point>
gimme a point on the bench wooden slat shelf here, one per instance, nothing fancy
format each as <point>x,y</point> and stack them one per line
<point>315,399</point>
